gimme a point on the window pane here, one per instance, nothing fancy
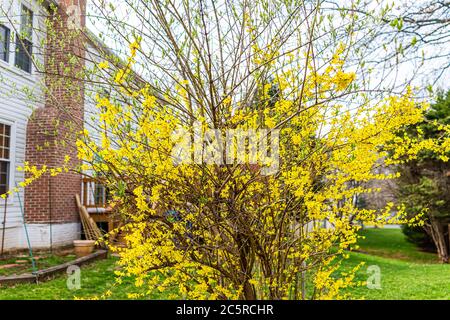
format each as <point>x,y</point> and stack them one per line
<point>26,23</point>
<point>5,141</point>
<point>4,43</point>
<point>23,54</point>
<point>4,176</point>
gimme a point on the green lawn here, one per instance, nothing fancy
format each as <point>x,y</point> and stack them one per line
<point>96,279</point>
<point>406,273</point>
<point>391,243</point>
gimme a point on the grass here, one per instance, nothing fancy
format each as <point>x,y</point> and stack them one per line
<point>96,279</point>
<point>401,280</point>
<point>406,273</point>
<point>391,243</point>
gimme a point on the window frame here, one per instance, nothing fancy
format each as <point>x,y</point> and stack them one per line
<point>12,155</point>
<point>24,44</point>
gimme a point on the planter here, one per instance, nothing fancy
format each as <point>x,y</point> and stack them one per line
<point>83,248</point>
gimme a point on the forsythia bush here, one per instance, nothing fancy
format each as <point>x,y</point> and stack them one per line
<point>228,231</point>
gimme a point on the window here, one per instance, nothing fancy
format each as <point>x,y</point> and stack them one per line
<point>4,43</point>
<point>5,157</point>
<point>24,40</point>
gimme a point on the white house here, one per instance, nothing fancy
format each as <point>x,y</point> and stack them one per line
<point>45,213</point>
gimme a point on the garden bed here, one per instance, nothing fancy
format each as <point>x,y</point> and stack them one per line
<point>42,274</point>
<point>21,263</point>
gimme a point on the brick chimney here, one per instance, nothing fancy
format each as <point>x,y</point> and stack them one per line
<point>51,130</point>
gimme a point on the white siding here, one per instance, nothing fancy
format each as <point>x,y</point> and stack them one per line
<point>90,110</point>
<point>91,90</point>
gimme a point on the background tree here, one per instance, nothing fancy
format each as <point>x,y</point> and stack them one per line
<point>425,181</point>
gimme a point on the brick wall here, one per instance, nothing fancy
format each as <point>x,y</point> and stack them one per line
<point>51,131</point>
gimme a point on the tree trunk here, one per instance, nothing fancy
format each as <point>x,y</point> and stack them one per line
<point>436,231</point>
<point>246,264</point>
<point>249,291</point>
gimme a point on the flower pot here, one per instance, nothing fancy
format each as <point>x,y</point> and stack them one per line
<point>83,247</point>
